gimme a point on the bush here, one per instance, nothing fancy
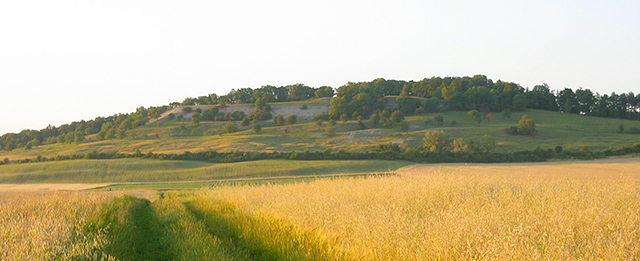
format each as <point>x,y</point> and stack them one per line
<point>436,141</point>
<point>321,116</point>
<point>229,127</point>
<point>388,148</point>
<point>279,119</point>
<point>196,132</point>
<point>439,119</point>
<point>634,130</point>
<point>558,149</point>
<point>291,119</point>
<point>261,116</point>
<point>256,127</point>
<point>330,130</point>
<point>513,130</point>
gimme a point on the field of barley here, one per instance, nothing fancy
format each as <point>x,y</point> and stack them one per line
<point>552,211</point>
<point>538,212</point>
<point>49,226</point>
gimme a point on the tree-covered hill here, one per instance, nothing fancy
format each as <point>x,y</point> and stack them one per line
<point>205,116</point>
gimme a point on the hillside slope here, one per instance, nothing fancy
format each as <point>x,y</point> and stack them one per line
<point>570,131</point>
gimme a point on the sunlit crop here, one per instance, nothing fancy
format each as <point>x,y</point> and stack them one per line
<point>46,226</point>
<point>463,214</point>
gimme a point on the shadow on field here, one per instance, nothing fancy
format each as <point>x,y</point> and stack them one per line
<point>264,238</point>
<point>131,228</point>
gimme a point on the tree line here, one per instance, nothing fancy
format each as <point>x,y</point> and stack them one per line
<point>479,93</point>
<point>268,93</point>
<point>104,127</point>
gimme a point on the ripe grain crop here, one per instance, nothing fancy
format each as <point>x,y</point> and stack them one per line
<point>49,226</point>
<point>461,213</point>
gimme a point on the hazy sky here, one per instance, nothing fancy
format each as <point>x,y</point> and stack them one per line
<point>64,61</point>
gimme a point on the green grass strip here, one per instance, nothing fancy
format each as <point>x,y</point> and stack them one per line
<point>264,237</point>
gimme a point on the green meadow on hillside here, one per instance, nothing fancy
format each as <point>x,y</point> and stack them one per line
<point>571,131</point>
<point>136,170</point>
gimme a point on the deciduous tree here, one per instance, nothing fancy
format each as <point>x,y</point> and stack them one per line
<point>436,141</point>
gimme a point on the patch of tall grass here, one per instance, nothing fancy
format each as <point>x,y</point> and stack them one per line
<point>50,226</point>
<point>262,236</point>
<point>183,237</point>
<point>445,216</point>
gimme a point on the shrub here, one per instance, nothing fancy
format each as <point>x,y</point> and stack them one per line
<point>291,119</point>
<point>245,121</point>
<point>584,149</point>
<point>321,116</point>
<point>436,141</point>
<point>558,149</point>
<point>330,130</point>
<point>229,127</point>
<point>634,130</point>
<point>526,126</point>
<point>389,148</point>
<point>439,119</point>
<point>279,119</point>
<point>256,127</point>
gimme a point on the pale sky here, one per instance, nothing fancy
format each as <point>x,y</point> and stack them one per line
<point>64,61</point>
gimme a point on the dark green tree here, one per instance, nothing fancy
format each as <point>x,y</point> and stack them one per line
<point>404,126</point>
<point>324,91</point>
<point>374,119</point>
<point>195,118</point>
<point>255,126</point>
<point>279,119</point>
<point>397,116</point>
<point>245,121</point>
<point>439,119</point>
<point>230,127</point>
<point>436,141</point>
<point>344,118</point>
<point>291,119</point>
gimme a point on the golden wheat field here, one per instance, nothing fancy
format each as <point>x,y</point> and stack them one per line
<point>48,225</point>
<point>557,211</point>
<point>581,211</point>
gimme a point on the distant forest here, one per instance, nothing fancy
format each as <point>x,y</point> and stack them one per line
<point>434,94</point>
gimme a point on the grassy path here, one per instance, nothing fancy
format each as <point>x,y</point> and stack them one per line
<point>168,229</point>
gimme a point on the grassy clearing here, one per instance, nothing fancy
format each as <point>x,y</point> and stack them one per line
<point>136,170</point>
<point>570,131</point>
<point>532,213</point>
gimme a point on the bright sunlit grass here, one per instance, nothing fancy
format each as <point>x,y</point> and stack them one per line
<point>504,214</point>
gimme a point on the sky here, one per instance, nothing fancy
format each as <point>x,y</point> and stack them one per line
<point>64,61</point>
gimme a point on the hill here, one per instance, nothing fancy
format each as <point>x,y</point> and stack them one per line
<point>571,131</point>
